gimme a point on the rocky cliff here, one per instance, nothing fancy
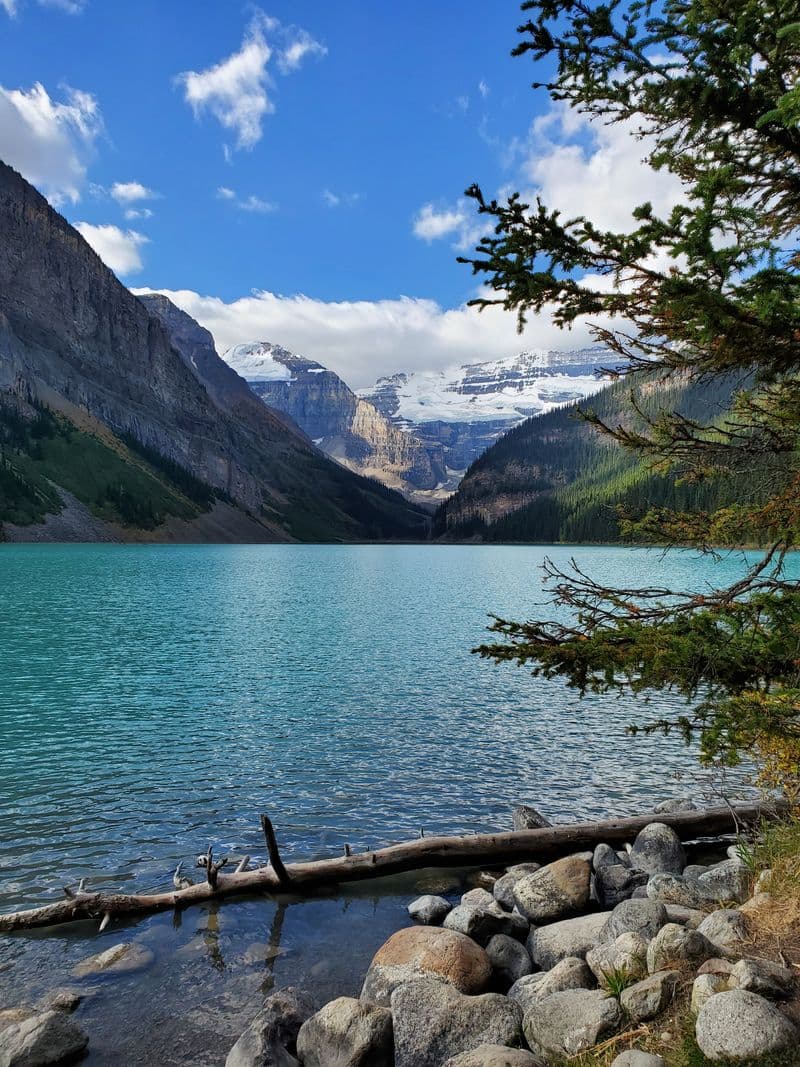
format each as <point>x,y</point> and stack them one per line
<point>346,427</point>
<point>73,338</point>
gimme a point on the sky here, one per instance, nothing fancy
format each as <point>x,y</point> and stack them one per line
<point>294,172</point>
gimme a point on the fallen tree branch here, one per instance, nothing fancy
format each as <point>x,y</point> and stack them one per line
<point>466,851</point>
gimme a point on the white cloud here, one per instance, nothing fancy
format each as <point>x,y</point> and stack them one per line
<point>138,213</point>
<point>72,7</point>
<point>235,90</point>
<point>460,222</point>
<point>338,199</point>
<point>224,193</point>
<point>483,88</point>
<point>50,142</point>
<point>255,204</point>
<point>118,249</point>
<point>10,7</point>
<point>363,340</point>
<point>130,192</point>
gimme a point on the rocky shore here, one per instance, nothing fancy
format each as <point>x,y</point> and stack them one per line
<point>602,953</point>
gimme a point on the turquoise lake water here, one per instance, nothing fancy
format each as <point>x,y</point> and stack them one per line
<point>155,699</point>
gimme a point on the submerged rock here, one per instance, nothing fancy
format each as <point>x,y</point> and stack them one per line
<point>118,959</point>
<point>347,1033</point>
<point>426,952</point>
<point>44,1040</point>
<point>525,817</point>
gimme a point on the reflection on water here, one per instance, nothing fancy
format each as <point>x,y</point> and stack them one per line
<point>156,699</point>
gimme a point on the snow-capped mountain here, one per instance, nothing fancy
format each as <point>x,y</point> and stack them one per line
<point>466,408</point>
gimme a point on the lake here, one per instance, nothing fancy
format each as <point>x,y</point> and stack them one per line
<point>156,699</point>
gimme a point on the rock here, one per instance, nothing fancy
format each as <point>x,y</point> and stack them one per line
<point>694,870</point>
<point>509,958</point>
<point>675,944</point>
<point>496,1056</point>
<point>118,960</point>
<point>729,880</point>
<point>527,818</point>
<point>725,929</point>
<point>634,1058</point>
<point>762,883</point>
<point>674,889</point>
<point>616,882</point>
<point>648,998</point>
<point>739,1025</point>
<point>572,1021</point>
<point>269,1037</point>
<point>426,952</point>
<point>639,893</point>
<point>9,1016</point>
<point>43,1040</point>
<point>347,1033</point>
<point>658,849</point>
<point>675,804</point>
<point>764,977</point>
<point>571,973</point>
<point>605,856</point>
<point>478,897</point>
<point>482,879</point>
<point>547,945</point>
<point>434,1022</point>
<point>503,888</point>
<point>554,892</point>
<point>704,987</point>
<point>66,1000</point>
<point>627,954</point>
<point>716,965</point>
<point>479,923</point>
<point>645,917</point>
<point>691,917</point>
<point>429,910</point>
<point>758,900</point>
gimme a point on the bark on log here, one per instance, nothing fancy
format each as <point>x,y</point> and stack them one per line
<point>467,851</point>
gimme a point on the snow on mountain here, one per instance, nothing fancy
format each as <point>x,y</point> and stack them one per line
<point>257,362</point>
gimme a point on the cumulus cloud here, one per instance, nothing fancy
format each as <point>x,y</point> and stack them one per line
<point>363,340</point>
<point>49,141</point>
<point>130,192</point>
<point>236,91</point>
<point>119,249</point>
<point>460,222</point>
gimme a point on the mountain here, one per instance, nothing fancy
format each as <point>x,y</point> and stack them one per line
<point>346,427</point>
<point>555,478</point>
<point>464,410</point>
<point>122,423</point>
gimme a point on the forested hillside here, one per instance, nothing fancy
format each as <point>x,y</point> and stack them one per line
<point>555,478</point>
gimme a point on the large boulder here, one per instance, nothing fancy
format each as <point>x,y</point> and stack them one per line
<point>616,882</point>
<point>347,1033</point>
<point>524,817</point>
<point>43,1040</point>
<point>691,917</point>
<point>634,1058</point>
<point>426,952</point>
<point>674,889</point>
<point>556,891</point>
<point>571,973</point>
<point>674,944</point>
<point>725,929</point>
<point>648,998</point>
<point>547,945</point>
<point>503,888</point>
<point>605,856</point>
<point>627,955</point>
<point>563,1024</point>
<point>434,1022</point>
<point>729,880</point>
<point>496,1056</point>
<point>118,959</point>
<point>428,909</point>
<point>270,1039</point>
<point>645,917</point>
<point>764,977</point>
<point>742,1026</point>
<point>477,921</point>
<point>658,849</point>
<point>509,958</point>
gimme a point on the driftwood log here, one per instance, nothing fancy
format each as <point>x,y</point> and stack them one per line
<point>472,850</point>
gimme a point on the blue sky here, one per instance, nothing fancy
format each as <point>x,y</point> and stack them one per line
<point>294,171</point>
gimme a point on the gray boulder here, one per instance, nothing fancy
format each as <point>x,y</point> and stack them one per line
<point>626,955</point>
<point>726,929</point>
<point>478,897</point>
<point>566,1023</point>
<point>554,892</point>
<point>605,856</point>
<point>674,889</point>
<point>764,977</point>
<point>434,1022</point>
<point>674,944</point>
<point>658,849</point>
<point>616,882</point>
<point>496,1056</point>
<point>347,1033</point>
<point>67,1000</point>
<point>426,952</point>
<point>648,998</point>
<point>739,1025</point>
<point>479,923</point>
<point>429,910</point>
<point>268,1039</point>
<point>704,987</point>
<point>548,945</point>
<point>44,1040</point>
<point>525,817</point>
<point>634,1058</point>
<point>645,917</point>
<point>509,959</point>
<point>675,804</point>
<point>503,888</point>
<point>694,870</point>
<point>729,880</point>
<point>691,917</point>
<point>571,973</point>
